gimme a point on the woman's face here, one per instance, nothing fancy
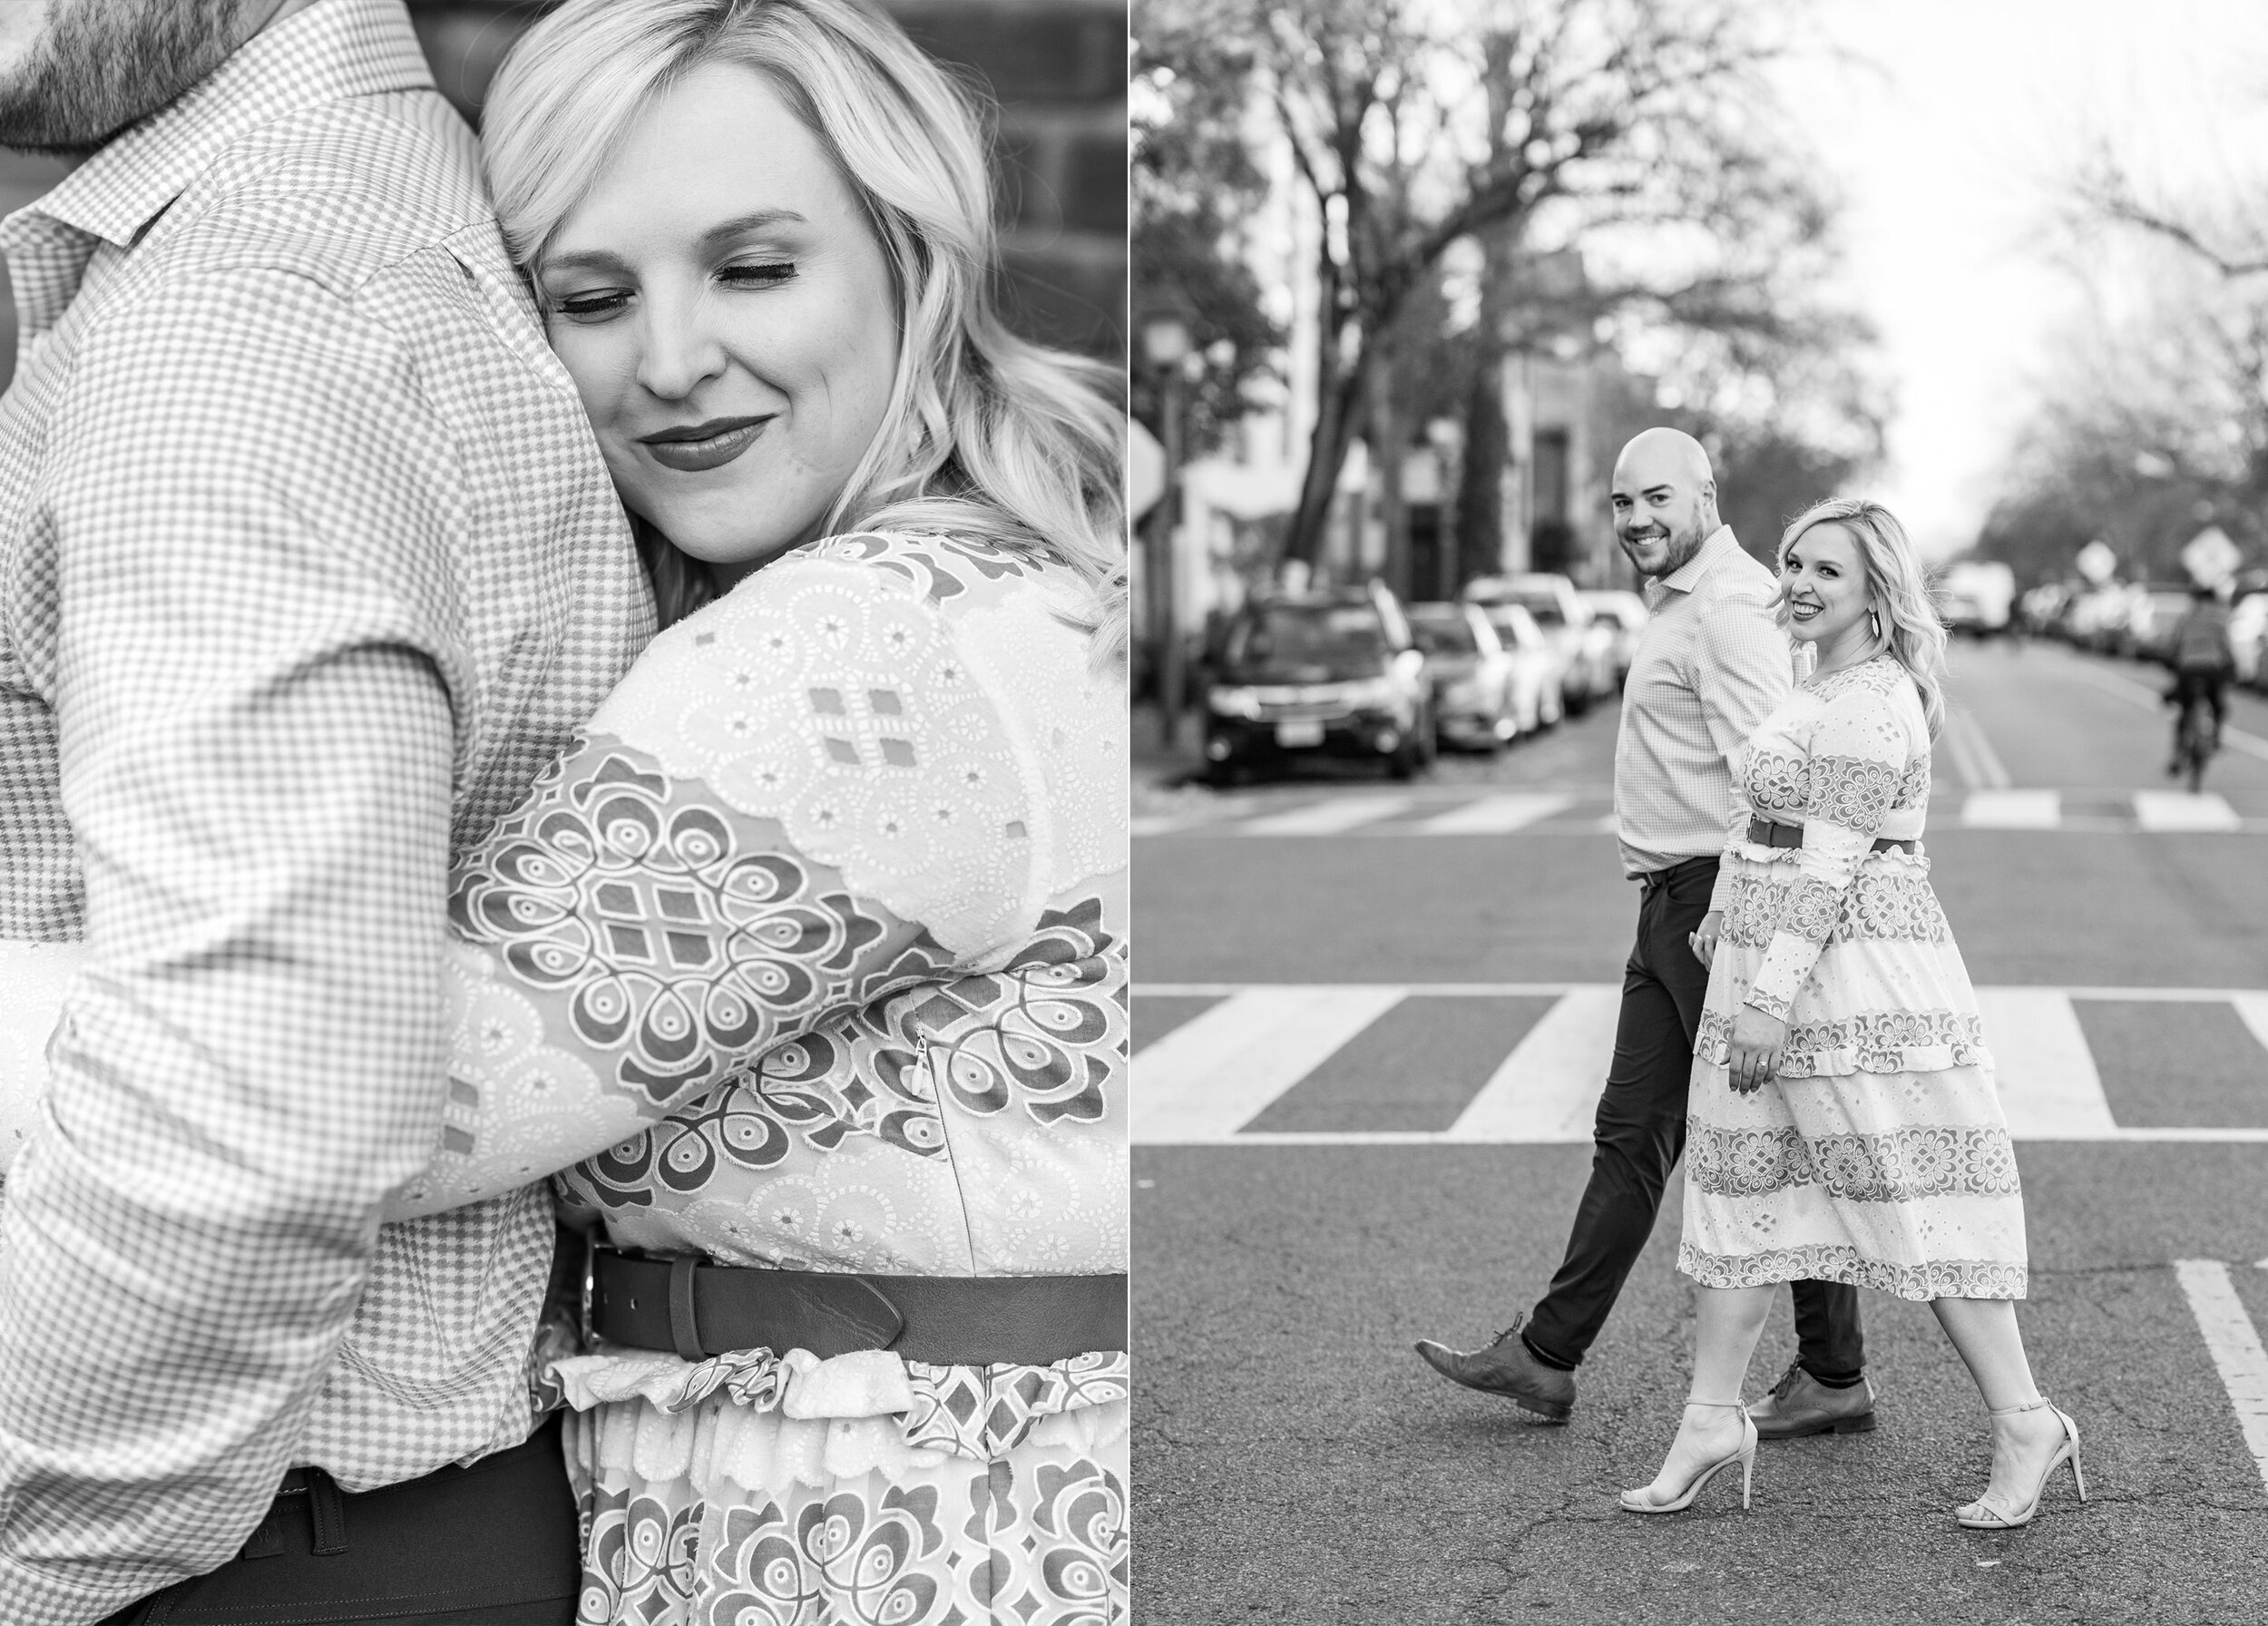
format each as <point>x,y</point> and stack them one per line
<point>728,317</point>
<point>1823,579</point>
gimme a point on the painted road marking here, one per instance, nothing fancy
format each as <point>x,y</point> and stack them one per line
<point>2048,1085</point>
<point>1331,818</point>
<point>1494,815</point>
<point>2012,810</point>
<point>1219,1071</point>
<point>1569,813</point>
<point>1974,759</point>
<point>2234,1343</point>
<point>2177,810</point>
<point>1547,1089</point>
<point>1205,1081</point>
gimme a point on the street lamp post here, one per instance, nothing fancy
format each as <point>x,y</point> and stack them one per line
<point>1166,350</point>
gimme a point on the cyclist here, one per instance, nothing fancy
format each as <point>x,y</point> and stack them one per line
<point>2203,662</point>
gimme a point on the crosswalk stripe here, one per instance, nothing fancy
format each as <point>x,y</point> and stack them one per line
<point>1547,1089</point>
<point>2050,1088</point>
<point>2012,810</point>
<point>2237,1356</point>
<point>1215,1073</point>
<point>2177,810</point>
<point>1493,815</point>
<point>1325,817</point>
<point>1556,812</point>
<point>2252,1009</point>
<point>1204,1080</point>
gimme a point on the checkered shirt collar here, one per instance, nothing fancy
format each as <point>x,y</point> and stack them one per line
<point>1688,575</point>
<point>332,51</point>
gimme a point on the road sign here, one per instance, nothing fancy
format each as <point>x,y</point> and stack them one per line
<point>2095,561</point>
<point>2211,557</point>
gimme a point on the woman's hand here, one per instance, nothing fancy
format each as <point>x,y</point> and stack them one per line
<point>1704,941</point>
<point>1757,1043</point>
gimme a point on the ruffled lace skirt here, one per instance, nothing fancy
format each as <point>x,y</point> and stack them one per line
<point>1880,1156</point>
<point>757,1490</point>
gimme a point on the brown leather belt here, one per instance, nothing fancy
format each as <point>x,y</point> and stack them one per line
<point>1765,832</point>
<point>699,1309</point>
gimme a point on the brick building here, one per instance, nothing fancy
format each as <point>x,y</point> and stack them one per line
<point>1057,69</point>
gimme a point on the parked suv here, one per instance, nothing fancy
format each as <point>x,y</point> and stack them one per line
<point>1473,704</point>
<point>1335,674</point>
<point>1566,619</point>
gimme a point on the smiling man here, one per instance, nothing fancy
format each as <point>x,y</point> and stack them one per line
<point>1709,667</point>
<point>309,565</point>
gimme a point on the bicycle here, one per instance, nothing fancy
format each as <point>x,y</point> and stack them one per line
<point>2194,743</point>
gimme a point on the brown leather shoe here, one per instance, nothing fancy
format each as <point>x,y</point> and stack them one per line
<point>1505,1367</point>
<point>1800,1404</point>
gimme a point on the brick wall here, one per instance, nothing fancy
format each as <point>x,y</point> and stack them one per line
<point>1056,67</point>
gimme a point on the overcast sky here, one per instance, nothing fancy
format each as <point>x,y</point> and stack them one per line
<point>1948,149</point>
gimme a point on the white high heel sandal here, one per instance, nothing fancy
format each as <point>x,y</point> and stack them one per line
<point>1981,1514</point>
<point>1745,1454</point>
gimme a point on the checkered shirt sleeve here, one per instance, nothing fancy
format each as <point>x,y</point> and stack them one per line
<point>256,750</point>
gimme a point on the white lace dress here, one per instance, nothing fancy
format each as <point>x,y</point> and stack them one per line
<point>1878,1156</point>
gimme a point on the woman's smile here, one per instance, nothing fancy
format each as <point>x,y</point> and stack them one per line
<point>691,448</point>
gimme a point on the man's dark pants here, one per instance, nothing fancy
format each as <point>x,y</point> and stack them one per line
<point>1641,1131</point>
<point>494,1544</point>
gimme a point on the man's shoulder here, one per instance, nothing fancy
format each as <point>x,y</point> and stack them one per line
<point>337,194</point>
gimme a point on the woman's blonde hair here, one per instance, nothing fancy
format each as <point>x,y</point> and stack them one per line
<point>1907,624</point>
<point>985,432</point>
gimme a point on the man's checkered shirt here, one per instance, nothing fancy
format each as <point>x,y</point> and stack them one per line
<point>307,564</point>
<point>1710,666</point>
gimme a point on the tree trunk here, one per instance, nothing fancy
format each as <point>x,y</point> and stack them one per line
<point>1338,414</point>
<point>1480,483</point>
<point>1381,427</point>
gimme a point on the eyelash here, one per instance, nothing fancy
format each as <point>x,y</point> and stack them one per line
<point>769,274</point>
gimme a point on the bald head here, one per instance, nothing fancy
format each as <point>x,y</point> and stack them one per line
<point>1665,499</point>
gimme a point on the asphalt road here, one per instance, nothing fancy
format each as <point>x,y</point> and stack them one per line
<point>1404,1177</point>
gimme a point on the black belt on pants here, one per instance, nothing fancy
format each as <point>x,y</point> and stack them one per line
<point>1765,832</point>
<point>699,1309</point>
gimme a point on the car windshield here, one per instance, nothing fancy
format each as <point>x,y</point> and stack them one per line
<point>1444,634</point>
<point>1515,626</point>
<point>1297,633</point>
<point>1543,605</point>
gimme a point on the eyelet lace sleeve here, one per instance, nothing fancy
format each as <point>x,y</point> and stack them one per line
<point>1857,756</point>
<point>800,801</point>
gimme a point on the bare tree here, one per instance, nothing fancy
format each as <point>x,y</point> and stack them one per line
<point>1610,111</point>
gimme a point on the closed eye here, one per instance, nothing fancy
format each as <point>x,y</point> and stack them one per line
<point>766,274</point>
<point>594,302</point>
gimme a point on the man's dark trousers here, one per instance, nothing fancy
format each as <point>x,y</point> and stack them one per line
<point>1640,1133</point>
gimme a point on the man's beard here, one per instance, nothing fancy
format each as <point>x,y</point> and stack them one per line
<point>100,65</point>
<point>1684,544</point>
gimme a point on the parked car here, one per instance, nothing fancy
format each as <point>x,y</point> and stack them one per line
<point>2041,609</point>
<point>2151,617</point>
<point>1472,675</point>
<point>2248,636</point>
<point>1538,702</point>
<point>1978,596</point>
<point>1588,672</point>
<point>1334,674</point>
<point>2093,618</point>
<point>1626,613</point>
